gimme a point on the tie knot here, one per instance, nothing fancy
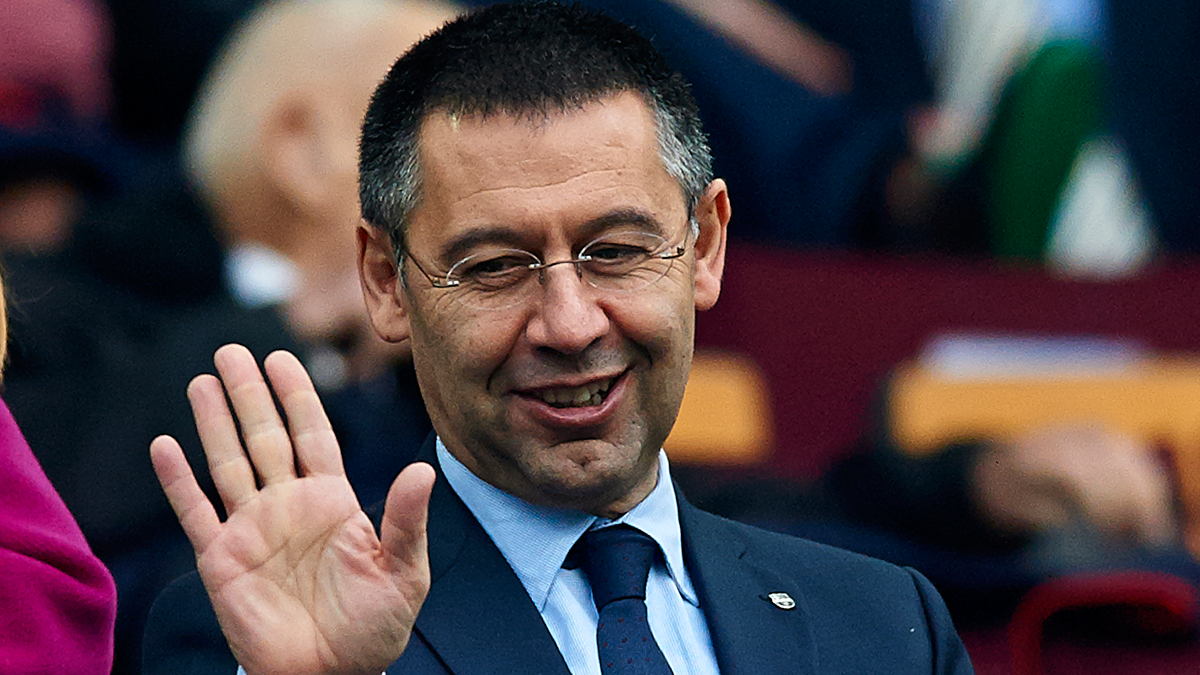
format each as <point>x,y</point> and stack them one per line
<point>616,561</point>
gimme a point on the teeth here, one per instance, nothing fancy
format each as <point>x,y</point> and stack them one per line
<point>587,395</point>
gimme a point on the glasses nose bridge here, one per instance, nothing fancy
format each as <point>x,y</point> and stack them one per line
<point>541,268</point>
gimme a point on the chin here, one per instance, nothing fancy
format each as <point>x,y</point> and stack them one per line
<point>593,484</point>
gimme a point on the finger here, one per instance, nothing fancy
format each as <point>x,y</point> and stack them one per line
<point>266,439</point>
<point>195,513</point>
<point>1014,497</point>
<point>1047,500</point>
<point>1045,506</point>
<point>315,445</point>
<point>1153,519</point>
<point>404,519</point>
<point>1122,490</point>
<point>227,462</point>
<point>1154,524</point>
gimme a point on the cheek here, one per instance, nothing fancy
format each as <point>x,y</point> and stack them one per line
<point>661,322</point>
<point>462,347</point>
<point>666,330</point>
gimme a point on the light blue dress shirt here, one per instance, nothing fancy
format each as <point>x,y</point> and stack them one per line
<point>535,541</point>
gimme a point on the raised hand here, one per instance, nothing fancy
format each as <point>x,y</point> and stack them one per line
<point>299,581</point>
<point>1049,477</point>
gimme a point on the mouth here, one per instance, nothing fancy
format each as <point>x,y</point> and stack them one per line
<point>586,406</point>
<point>588,395</point>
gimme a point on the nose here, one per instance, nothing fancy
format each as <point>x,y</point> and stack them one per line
<point>567,318</point>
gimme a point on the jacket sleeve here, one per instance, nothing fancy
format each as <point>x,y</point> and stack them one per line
<point>949,655</point>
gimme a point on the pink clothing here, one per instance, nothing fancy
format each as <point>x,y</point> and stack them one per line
<point>57,600</point>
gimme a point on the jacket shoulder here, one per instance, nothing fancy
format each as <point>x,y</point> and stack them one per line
<point>857,609</point>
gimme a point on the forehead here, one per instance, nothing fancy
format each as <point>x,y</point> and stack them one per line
<point>543,177</point>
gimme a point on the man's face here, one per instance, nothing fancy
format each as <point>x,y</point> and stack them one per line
<point>494,380</point>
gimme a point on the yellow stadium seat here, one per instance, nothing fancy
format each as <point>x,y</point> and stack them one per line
<point>725,418</point>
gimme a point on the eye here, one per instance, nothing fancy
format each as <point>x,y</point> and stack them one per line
<point>615,253</point>
<point>495,266</point>
<point>494,269</point>
<point>619,253</point>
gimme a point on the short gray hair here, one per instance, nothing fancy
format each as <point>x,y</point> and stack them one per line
<point>526,60</point>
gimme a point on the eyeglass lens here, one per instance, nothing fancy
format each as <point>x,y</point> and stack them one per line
<point>615,263</point>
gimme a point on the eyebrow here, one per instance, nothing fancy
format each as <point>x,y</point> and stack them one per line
<point>617,218</point>
<point>516,237</point>
<point>461,245</point>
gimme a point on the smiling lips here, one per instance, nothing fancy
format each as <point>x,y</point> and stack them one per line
<point>585,406</point>
<point>592,394</point>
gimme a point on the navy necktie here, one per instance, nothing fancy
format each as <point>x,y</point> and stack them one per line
<point>617,561</point>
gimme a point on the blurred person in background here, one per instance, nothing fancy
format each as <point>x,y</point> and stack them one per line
<point>144,291</point>
<point>57,600</point>
<point>1018,129</point>
<point>272,147</point>
<point>807,104</point>
<point>55,151</point>
<point>985,518</point>
<point>1153,57</point>
<point>84,353</point>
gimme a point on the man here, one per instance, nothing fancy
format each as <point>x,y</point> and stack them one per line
<point>542,227</point>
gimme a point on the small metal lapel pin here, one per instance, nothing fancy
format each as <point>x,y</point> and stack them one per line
<point>781,600</point>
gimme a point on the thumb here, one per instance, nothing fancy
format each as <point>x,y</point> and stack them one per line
<point>405,514</point>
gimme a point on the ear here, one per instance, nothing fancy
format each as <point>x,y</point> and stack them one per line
<point>712,214</point>
<point>383,290</point>
<point>294,153</point>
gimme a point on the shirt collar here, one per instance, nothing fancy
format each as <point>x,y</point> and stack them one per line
<point>535,539</point>
<point>260,276</point>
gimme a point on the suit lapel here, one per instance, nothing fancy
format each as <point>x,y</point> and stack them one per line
<point>750,634</point>
<point>477,618</point>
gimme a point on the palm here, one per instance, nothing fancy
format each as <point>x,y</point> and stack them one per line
<point>298,578</point>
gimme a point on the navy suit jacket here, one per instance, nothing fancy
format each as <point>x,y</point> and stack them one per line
<point>852,614</point>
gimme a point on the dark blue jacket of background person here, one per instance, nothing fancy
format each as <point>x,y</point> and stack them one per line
<point>1154,91</point>
<point>806,169</point>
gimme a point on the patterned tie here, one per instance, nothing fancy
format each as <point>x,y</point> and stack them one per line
<point>617,561</point>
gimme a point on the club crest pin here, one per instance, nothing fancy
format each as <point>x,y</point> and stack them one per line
<point>782,600</point>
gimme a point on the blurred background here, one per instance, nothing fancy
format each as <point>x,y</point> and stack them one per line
<point>960,327</point>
